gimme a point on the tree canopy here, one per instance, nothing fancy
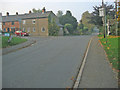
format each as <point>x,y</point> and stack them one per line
<point>96,19</point>
<point>69,19</point>
<point>59,13</point>
<point>36,10</point>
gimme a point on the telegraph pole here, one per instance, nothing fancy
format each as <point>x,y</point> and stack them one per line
<point>103,17</point>
<point>116,9</point>
<point>104,20</point>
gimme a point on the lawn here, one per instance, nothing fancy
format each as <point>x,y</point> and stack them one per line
<point>14,41</point>
<point>112,49</point>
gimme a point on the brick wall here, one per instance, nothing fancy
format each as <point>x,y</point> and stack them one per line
<point>9,25</point>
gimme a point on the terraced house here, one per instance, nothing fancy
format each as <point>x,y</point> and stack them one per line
<point>33,23</point>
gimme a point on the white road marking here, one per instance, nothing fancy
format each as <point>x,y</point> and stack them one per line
<point>77,82</point>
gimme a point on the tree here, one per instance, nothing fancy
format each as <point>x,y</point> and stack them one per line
<point>36,11</point>
<point>59,13</point>
<point>53,28</point>
<point>68,13</point>
<point>81,25</point>
<point>96,19</point>
<point>69,19</point>
<point>86,20</point>
<point>69,27</point>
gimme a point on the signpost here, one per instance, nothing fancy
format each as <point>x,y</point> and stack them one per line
<point>102,13</point>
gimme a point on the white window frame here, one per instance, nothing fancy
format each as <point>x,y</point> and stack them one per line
<point>24,21</point>
<point>23,30</point>
<point>34,29</point>
<point>28,29</point>
<point>33,21</point>
<point>42,29</point>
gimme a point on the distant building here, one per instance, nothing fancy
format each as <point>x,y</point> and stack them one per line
<point>33,23</point>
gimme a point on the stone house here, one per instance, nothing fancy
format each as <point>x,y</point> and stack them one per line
<point>35,24</point>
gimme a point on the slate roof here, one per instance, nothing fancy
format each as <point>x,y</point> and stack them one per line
<point>25,16</point>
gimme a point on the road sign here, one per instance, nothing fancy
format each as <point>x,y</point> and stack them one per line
<point>101,12</point>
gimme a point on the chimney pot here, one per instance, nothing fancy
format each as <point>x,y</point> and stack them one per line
<point>16,13</point>
<point>43,10</point>
<point>7,13</point>
<point>30,12</point>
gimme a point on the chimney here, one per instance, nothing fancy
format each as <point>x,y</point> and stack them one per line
<point>30,12</point>
<point>16,13</point>
<point>7,13</point>
<point>43,10</point>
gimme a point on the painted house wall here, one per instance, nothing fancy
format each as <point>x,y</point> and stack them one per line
<point>40,23</point>
<point>6,25</point>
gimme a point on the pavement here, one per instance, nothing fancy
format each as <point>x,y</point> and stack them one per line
<point>29,42</point>
<point>97,71</point>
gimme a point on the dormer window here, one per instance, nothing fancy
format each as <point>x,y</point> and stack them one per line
<point>33,21</point>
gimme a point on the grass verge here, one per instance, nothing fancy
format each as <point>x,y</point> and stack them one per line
<point>14,41</point>
<point>112,49</point>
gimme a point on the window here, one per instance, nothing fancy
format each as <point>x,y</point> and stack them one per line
<point>3,23</point>
<point>4,30</point>
<point>28,30</point>
<point>24,21</point>
<point>23,29</point>
<point>33,21</point>
<point>43,29</point>
<point>12,29</point>
<point>12,22</point>
<point>33,29</point>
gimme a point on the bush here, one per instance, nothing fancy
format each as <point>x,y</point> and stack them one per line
<point>69,27</point>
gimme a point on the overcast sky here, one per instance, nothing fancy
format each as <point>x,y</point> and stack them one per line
<point>77,7</point>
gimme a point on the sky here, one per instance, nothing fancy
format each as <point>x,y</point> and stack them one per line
<point>77,7</point>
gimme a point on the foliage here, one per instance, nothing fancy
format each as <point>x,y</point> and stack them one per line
<point>69,27</point>
<point>36,10</point>
<point>68,13</point>
<point>53,28</point>
<point>96,19</point>
<point>86,19</point>
<point>14,41</point>
<point>69,19</point>
<point>81,25</point>
<point>59,13</point>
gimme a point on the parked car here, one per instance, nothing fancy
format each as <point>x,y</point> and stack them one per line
<point>21,33</point>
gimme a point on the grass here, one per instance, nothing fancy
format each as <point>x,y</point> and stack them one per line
<point>112,50</point>
<point>14,41</point>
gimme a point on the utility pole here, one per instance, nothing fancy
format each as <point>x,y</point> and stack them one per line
<point>103,18</point>
<point>116,16</point>
<point>104,21</point>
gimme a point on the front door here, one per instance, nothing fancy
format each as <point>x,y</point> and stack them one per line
<point>8,29</point>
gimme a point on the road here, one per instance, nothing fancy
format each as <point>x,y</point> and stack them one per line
<point>52,62</point>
